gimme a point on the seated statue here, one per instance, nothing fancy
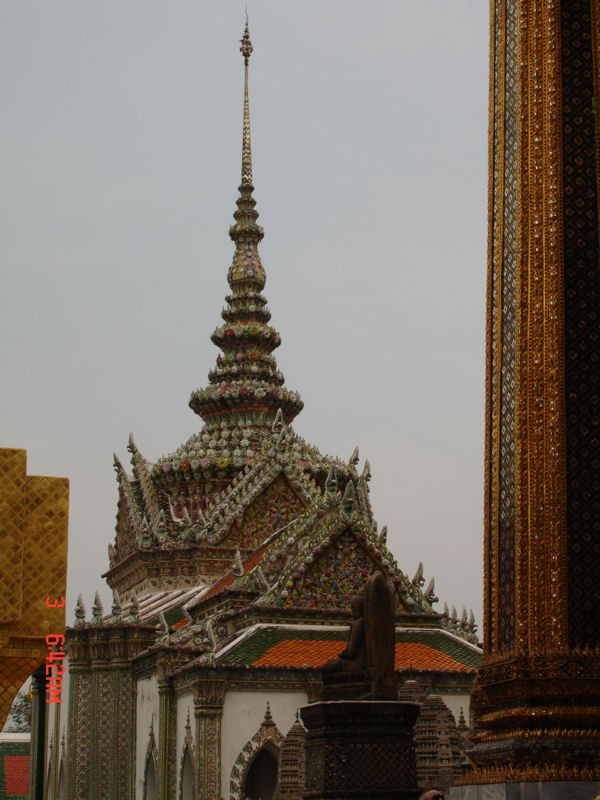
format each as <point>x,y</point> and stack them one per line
<point>371,643</point>
<point>353,657</point>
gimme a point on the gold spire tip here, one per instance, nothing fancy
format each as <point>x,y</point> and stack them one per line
<point>246,44</point>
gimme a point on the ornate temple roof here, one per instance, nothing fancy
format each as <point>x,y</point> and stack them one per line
<point>307,571</point>
<point>428,650</point>
<point>246,524</point>
<point>192,495</point>
<point>171,511</point>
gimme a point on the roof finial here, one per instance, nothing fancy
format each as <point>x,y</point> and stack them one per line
<point>246,48</point>
<point>246,51</point>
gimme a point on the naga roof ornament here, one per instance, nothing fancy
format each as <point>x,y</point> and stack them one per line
<point>245,386</point>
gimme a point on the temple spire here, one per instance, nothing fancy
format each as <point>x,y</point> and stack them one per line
<point>246,50</point>
<point>246,388</point>
<point>246,270</point>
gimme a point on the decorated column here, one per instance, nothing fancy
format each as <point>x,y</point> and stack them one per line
<point>208,711</point>
<point>537,701</point>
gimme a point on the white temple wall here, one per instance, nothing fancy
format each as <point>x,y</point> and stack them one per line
<point>147,709</point>
<point>243,713</point>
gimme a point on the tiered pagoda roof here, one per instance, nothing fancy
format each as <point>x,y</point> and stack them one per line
<point>246,535</point>
<point>286,604</point>
<point>187,498</point>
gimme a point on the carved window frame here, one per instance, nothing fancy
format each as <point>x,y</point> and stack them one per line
<point>248,753</point>
<point>189,751</point>
<point>151,753</point>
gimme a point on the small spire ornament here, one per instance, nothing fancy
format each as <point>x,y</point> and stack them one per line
<point>134,611</point>
<point>79,613</point>
<point>97,609</point>
<point>117,609</point>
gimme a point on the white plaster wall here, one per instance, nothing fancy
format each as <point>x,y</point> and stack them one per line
<point>147,707</point>
<point>184,703</point>
<point>243,713</point>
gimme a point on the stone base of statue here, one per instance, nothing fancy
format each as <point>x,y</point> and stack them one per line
<point>360,750</point>
<point>528,790</point>
<point>348,686</point>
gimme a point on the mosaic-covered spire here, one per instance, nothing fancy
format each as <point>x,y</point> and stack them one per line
<point>245,386</point>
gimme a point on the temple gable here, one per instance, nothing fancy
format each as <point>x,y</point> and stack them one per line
<point>274,508</point>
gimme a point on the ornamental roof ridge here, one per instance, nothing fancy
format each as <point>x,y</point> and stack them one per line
<point>246,492</point>
<point>233,448</point>
<point>141,473</point>
<point>459,636</point>
<point>128,496</point>
<point>304,483</point>
<point>245,578</point>
<point>465,628</point>
<point>362,494</point>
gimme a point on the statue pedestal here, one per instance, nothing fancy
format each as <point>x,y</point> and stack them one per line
<point>360,750</point>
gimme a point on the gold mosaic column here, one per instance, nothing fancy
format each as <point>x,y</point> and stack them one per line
<point>34,514</point>
<point>537,701</point>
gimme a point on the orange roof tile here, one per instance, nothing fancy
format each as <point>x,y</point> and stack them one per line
<point>300,653</point>
<point>415,655</point>
<point>315,652</point>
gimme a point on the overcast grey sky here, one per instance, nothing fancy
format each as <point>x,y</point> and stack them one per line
<point>120,151</point>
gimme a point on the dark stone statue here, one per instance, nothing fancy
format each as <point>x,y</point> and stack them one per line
<point>353,657</point>
<point>365,669</point>
<point>359,740</point>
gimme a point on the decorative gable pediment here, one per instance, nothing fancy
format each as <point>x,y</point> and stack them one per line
<point>326,557</point>
<point>276,506</point>
<point>261,499</point>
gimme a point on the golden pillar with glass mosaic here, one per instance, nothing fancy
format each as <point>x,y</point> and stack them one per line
<point>34,513</point>
<point>537,700</point>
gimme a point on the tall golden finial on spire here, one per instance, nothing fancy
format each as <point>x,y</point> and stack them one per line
<point>246,51</point>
